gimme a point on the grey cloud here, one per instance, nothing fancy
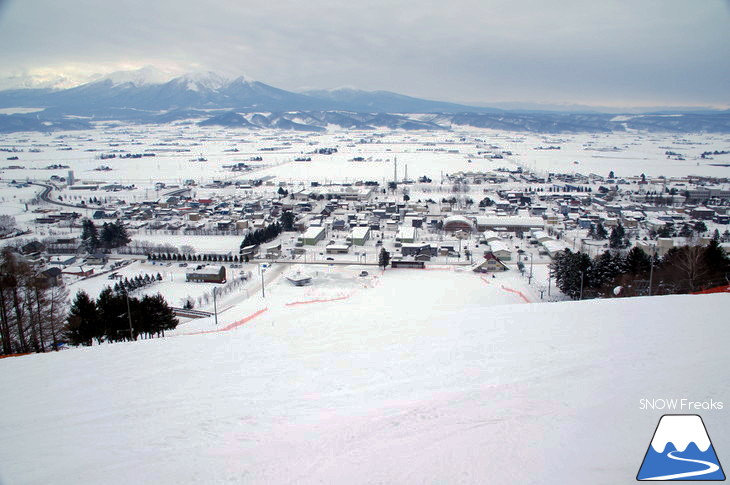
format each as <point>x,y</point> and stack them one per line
<point>668,51</point>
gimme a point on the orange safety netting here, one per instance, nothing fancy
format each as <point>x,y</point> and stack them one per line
<point>232,325</point>
<point>317,301</point>
<point>15,355</point>
<point>717,289</point>
<point>522,295</point>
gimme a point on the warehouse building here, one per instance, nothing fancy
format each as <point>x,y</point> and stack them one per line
<point>206,274</point>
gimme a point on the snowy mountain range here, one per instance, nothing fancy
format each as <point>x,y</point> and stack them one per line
<point>152,96</point>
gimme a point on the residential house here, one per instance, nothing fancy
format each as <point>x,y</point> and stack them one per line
<point>489,264</point>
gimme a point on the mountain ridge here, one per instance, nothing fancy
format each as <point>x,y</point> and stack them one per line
<point>141,97</point>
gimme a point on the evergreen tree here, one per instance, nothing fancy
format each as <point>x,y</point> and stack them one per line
<point>89,236</point>
<point>716,259</point>
<point>686,231</point>
<point>637,262</point>
<point>83,321</point>
<point>666,231</point>
<point>566,268</point>
<point>485,202</point>
<point>114,235</point>
<point>617,239</point>
<point>112,308</point>
<point>156,315</point>
<point>601,232</point>
<point>106,237</point>
<point>122,236</point>
<point>383,258</point>
<point>603,269</point>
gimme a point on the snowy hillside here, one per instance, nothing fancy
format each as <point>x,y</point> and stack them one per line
<point>383,381</point>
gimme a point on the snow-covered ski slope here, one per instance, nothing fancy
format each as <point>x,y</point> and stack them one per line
<point>403,381</point>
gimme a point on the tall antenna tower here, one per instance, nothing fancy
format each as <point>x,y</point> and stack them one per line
<point>395,170</point>
<point>405,177</point>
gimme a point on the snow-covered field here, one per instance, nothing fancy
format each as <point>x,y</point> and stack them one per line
<point>425,153</point>
<point>219,244</point>
<point>402,377</point>
<point>627,154</point>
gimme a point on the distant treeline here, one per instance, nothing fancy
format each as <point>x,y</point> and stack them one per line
<point>215,258</point>
<point>716,152</point>
<point>262,236</point>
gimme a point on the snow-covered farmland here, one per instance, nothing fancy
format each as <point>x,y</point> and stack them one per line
<point>178,150</point>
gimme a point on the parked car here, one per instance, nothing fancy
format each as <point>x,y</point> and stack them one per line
<point>363,273</point>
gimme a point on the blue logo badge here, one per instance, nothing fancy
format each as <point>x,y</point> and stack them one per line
<point>681,450</point>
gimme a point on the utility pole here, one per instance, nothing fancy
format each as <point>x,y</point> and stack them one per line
<point>581,285</point>
<point>129,315</point>
<point>529,280</point>
<point>651,269</point>
<point>549,280</point>
<point>263,282</point>
<point>215,306</point>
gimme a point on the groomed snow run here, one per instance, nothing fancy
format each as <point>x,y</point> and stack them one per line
<point>396,386</point>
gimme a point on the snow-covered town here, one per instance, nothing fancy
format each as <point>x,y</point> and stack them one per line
<point>471,223</point>
<point>471,201</point>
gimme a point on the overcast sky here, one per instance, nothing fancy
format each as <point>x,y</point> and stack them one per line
<point>612,53</point>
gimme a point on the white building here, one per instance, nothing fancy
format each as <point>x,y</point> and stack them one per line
<point>359,235</point>
<point>500,249</point>
<point>313,235</point>
<point>406,234</point>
